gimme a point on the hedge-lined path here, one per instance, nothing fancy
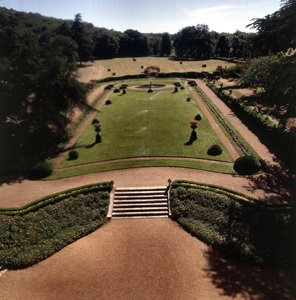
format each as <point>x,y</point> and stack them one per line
<point>136,259</point>
<point>251,138</point>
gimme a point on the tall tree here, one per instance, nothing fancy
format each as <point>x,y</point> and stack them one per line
<point>276,32</point>
<point>83,37</point>
<point>166,46</point>
<point>222,48</point>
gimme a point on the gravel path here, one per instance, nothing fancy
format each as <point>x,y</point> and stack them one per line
<point>143,259</point>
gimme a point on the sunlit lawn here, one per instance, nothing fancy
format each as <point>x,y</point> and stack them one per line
<point>147,124</point>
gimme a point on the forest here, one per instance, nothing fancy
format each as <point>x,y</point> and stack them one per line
<point>39,57</point>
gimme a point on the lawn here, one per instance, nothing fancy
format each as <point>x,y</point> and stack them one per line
<point>145,124</point>
<point>122,66</point>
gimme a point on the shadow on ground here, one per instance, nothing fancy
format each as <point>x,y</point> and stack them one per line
<point>236,279</point>
<point>276,180</point>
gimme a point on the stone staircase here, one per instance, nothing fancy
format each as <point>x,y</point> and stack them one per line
<point>140,202</point>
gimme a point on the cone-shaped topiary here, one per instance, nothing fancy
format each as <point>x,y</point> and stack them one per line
<point>247,165</point>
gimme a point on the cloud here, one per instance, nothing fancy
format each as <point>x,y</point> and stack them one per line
<point>214,10</point>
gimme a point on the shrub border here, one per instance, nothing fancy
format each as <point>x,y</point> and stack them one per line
<point>54,198</point>
<point>238,196</point>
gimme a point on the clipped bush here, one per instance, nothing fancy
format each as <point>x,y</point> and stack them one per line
<point>95,121</point>
<point>188,99</point>
<point>150,91</point>
<point>214,150</point>
<point>116,91</point>
<point>40,170</point>
<point>192,83</point>
<point>108,102</point>
<point>123,86</point>
<point>247,165</point>
<point>197,117</point>
<point>107,87</point>
<point>177,83</point>
<point>182,88</point>
<point>73,154</point>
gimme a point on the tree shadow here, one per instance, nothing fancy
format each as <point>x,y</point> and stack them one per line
<point>236,278</point>
<point>90,145</point>
<point>193,137</point>
<point>277,180</point>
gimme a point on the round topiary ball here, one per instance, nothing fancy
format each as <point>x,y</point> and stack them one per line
<point>150,91</point>
<point>73,154</point>
<point>40,170</point>
<point>116,91</point>
<point>214,150</point>
<point>197,117</point>
<point>108,102</point>
<point>247,165</point>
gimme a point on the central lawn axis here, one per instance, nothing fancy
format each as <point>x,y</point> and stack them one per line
<point>141,124</point>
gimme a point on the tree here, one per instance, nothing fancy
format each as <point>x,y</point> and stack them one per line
<point>83,37</point>
<point>276,75</point>
<point>222,48</point>
<point>38,89</point>
<point>195,42</point>
<point>276,32</point>
<point>166,46</point>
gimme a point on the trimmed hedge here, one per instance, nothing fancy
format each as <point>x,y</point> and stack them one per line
<point>40,170</point>
<point>29,238</point>
<point>73,154</point>
<point>54,198</point>
<point>214,150</point>
<point>241,226</point>
<point>247,165</point>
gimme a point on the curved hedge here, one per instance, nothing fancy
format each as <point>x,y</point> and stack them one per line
<point>240,225</point>
<point>29,235</point>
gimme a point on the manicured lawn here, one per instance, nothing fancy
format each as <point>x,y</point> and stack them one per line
<point>147,124</point>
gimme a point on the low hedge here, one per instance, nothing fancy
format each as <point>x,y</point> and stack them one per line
<point>279,140</point>
<point>241,226</point>
<point>54,198</point>
<point>28,239</point>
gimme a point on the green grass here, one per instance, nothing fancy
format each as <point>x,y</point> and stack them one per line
<point>147,124</point>
<point>86,169</point>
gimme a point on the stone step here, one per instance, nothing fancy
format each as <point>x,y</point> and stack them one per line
<point>154,204</point>
<point>140,202</point>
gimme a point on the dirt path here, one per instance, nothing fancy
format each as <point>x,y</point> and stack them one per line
<point>143,259</point>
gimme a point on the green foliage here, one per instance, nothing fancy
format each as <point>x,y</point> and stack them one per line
<point>73,154</point>
<point>255,233</point>
<point>108,102</point>
<point>247,165</point>
<point>197,117</point>
<point>166,46</point>
<point>116,91</point>
<point>40,170</point>
<point>214,150</point>
<point>30,238</point>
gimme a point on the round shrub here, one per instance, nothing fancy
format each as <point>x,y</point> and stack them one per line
<point>73,154</point>
<point>177,83</point>
<point>247,165</point>
<point>214,150</point>
<point>94,121</point>
<point>108,102</point>
<point>123,86</point>
<point>182,88</point>
<point>150,91</point>
<point>197,117</point>
<point>188,99</point>
<point>116,91</point>
<point>192,83</point>
<point>40,170</point>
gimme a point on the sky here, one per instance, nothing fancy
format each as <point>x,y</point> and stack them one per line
<point>153,16</point>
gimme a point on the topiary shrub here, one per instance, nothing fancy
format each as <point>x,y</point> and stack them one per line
<point>40,170</point>
<point>150,91</point>
<point>214,150</point>
<point>73,154</point>
<point>94,121</point>
<point>108,102</point>
<point>192,83</point>
<point>123,86</point>
<point>188,99</point>
<point>116,91</point>
<point>182,88</point>
<point>247,165</point>
<point>197,117</point>
<point>177,83</point>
